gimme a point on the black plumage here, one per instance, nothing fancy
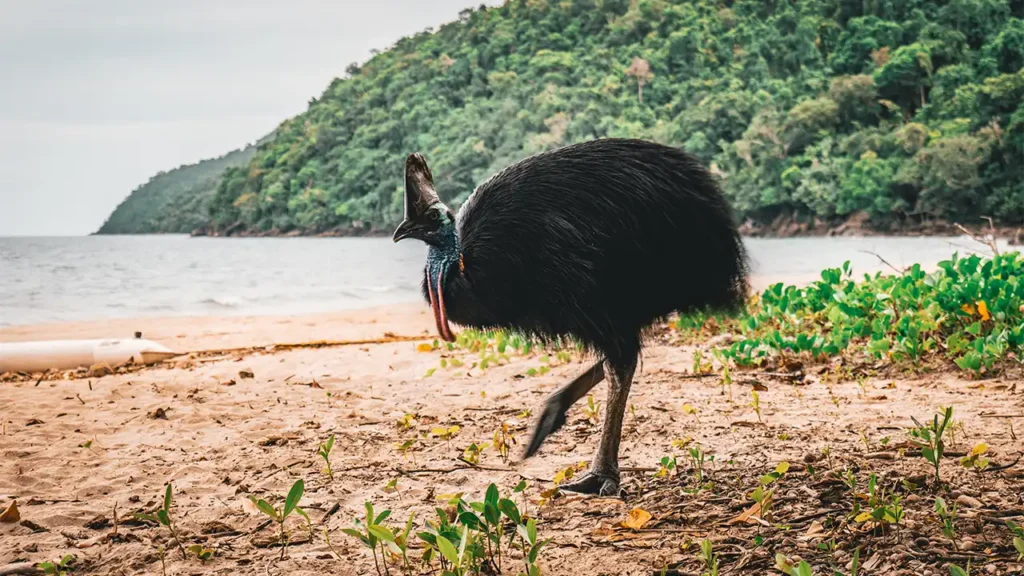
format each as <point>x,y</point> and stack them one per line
<point>595,241</point>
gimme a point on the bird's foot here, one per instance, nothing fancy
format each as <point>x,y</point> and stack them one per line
<point>595,483</point>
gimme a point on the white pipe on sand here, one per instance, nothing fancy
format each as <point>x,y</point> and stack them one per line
<point>46,355</point>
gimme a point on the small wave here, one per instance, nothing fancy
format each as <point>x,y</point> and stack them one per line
<point>223,301</point>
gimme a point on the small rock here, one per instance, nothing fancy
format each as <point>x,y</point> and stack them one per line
<point>912,498</point>
<point>968,501</point>
<point>990,569</point>
<point>243,374</point>
<point>810,458</point>
<point>158,414</point>
<point>921,542</point>
<point>968,545</point>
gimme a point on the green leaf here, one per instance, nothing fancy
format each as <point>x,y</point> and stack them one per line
<point>535,550</point>
<point>804,569</point>
<point>301,512</point>
<point>167,497</point>
<point>163,517</point>
<point>294,495</point>
<point>1018,543</point>
<point>491,514</point>
<point>492,495</point>
<point>509,509</point>
<point>382,532</point>
<point>531,530</point>
<point>519,487</point>
<point>264,507</point>
<point>448,551</point>
<point>955,570</point>
<point>358,535</point>
<point>147,517</point>
<point>382,517</point>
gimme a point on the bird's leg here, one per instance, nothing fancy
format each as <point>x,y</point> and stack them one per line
<point>558,404</point>
<point>603,477</point>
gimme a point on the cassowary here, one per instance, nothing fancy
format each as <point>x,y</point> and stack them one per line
<point>594,241</point>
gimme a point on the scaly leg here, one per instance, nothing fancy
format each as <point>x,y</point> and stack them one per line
<point>559,403</point>
<point>603,477</point>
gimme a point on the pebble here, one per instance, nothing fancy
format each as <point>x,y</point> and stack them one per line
<point>968,501</point>
<point>968,545</point>
<point>990,569</point>
<point>921,542</point>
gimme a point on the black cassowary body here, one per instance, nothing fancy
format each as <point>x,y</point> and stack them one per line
<point>596,241</point>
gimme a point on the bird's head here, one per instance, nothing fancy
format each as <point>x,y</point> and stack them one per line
<point>426,217</point>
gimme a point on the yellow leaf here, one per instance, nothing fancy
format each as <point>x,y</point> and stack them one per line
<point>782,468</point>
<point>11,514</point>
<point>424,347</point>
<point>979,449</point>
<point>687,409</point>
<point>863,517</point>
<point>439,431</point>
<point>636,519</point>
<point>968,308</point>
<point>983,310</point>
<point>563,475</point>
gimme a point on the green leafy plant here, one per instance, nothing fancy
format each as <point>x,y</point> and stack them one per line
<point>280,514</point>
<point>755,403</point>
<point>709,558</point>
<point>163,517</point>
<point>1018,538</point>
<point>201,553</point>
<point>786,566</point>
<point>955,570</point>
<point>324,451</point>
<point>947,516</point>
<point>592,410</point>
<point>930,438</point>
<point>63,566</point>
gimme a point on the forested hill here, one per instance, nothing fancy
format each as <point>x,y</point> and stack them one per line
<point>823,108</point>
<point>176,201</point>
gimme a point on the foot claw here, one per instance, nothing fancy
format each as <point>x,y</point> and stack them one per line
<point>596,483</point>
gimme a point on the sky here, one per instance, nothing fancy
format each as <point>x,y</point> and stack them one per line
<point>99,95</point>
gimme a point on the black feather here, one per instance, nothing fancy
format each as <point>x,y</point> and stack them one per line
<point>596,241</point>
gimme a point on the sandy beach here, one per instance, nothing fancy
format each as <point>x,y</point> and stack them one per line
<point>75,452</point>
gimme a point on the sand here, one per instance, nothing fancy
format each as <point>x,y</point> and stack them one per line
<point>73,451</point>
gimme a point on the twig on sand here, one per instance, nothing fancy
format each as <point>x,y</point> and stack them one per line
<point>20,568</point>
<point>447,470</point>
<point>1003,467</point>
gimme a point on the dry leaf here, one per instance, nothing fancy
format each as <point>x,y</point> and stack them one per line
<point>752,515</point>
<point>424,347</point>
<point>983,310</point>
<point>636,519</point>
<point>11,515</point>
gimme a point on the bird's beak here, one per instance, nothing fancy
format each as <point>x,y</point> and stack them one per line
<point>406,229</point>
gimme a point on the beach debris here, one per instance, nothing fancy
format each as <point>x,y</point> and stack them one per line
<point>158,414</point>
<point>243,374</point>
<point>11,514</point>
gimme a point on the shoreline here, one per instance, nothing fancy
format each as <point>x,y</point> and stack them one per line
<point>782,226</point>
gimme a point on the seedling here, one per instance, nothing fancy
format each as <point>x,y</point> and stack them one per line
<point>163,517</point>
<point>955,570</point>
<point>503,441</point>
<point>325,452</point>
<point>375,533</point>
<point>929,438</point>
<point>445,434</point>
<point>786,566</point>
<point>947,515</point>
<point>404,447</point>
<point>709,558</point>
<point>59,568</point>
<point>976,460</point>
<point>666,466</point>
<point>1018,539</point>
<point>279,515</point>
<point>592,410</point>
<point>472,452</point>
<point>698,458</point>
<point>755,403</point>
<point>203,554</point>
<point>406,422</point>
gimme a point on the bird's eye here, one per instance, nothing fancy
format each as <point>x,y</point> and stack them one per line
<point>435,216</point>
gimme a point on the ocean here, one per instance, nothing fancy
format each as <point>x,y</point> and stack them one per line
<point>44,280</point>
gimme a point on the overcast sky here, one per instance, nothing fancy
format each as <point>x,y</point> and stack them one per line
<point>96,96</point>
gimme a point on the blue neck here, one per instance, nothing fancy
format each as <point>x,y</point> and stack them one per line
<point>444,252</point>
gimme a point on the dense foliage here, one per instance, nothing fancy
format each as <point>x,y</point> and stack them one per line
<point>823,108</point>
<point>176,201</point>
<point>970,311</point>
